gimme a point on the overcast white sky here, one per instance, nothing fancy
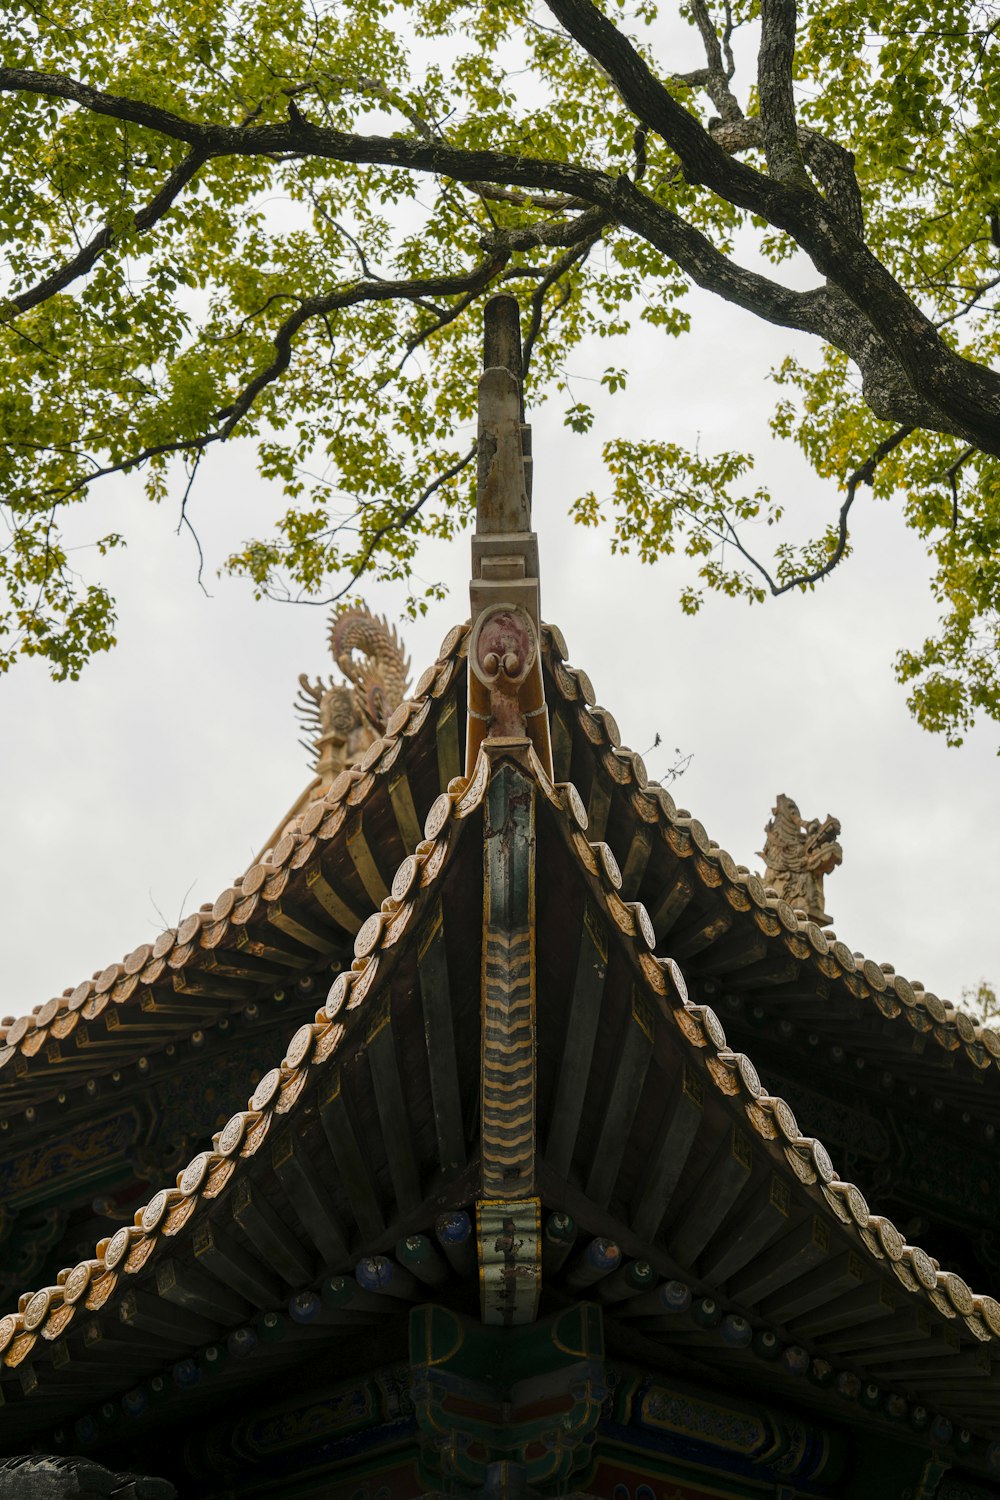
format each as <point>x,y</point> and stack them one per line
<point>136,794</point>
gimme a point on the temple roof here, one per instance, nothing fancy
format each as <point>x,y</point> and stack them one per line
<point>295,913</point>
<point>656,1136</point>
<point>517,1099</point>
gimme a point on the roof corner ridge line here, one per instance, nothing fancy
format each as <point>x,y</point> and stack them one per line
<point>211,1170</point>
<point>123,982</point>
<point>734,1075</point>
<point>889,992</point>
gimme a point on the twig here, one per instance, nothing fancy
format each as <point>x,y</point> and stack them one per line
<point>185,520</point>
<point>951,474</point>
<point>864,474</point>
<point>397,523</point>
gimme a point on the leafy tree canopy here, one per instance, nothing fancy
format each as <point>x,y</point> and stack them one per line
<point>278,219</point>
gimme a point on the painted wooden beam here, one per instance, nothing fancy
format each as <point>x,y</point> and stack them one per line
<point>805,1247</point>
<point>686,942</point>
<point>912,1327</point>
<point>267,944</point>
<point>352,1166</point>
<point>841,1273</point>
<point>453,1231</point>
<point>404,810</point>
<point>317,937</point>
<point>578,1049</point>
<point>270,1236</point>
<point>636,861</point>
<point>390,1098</point>
<point>227,1261</point>
<point>558,1239</point>
<point>364,862</point>
<point>669,1156</point>
<point>190,1287</point>
<point>736,952</point>
<point>629,1281</point>
<point>775,969</point>
<point>435,994</point>
<point>510,1260</point>
<point>759,1223</point>
<point>175,1325</point>
<point>332,902</point>
<point>672,903</point>
<point>866,1304</point>
<point>598,807</point>
<point>713,1198</point>
<point>508,996</point>
<point>596,1261</point>
<point>562,744</point>
<point>449,757</point>
<point>416,1254</point>
<point>630,1075</point>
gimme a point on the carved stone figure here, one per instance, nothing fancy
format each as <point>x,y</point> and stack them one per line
<point>343,719</point>
<point>798,854</point>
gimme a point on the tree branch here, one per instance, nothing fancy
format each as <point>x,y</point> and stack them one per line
<point>864,474</point>
<point>397,523</point>
<point>966,395</point>
<point>574,256</point>
<point>774,89</point>
<point>930,384</point>
<point>715,78</point>
<point>105,237</point>
<point>312,307</point>
<point>831,164</point>
<point>375,291</point>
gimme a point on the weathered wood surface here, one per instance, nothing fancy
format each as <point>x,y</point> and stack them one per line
<point>439,1032</point>
<point>578,1048</point>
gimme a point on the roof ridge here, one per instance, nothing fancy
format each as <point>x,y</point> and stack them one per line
<point>771,1118</point>
<point>48,1312</point>
<point>891,993</point>
<point>186,947</point>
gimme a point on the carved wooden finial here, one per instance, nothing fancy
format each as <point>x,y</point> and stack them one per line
<point>798,853</point>
<point>506,695</point>
<point>503,492</point>
<point>502,335</point>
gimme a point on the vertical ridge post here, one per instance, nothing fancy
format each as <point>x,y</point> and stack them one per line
<point>506,688</point>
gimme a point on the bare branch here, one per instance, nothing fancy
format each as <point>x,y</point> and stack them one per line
<point>556,271</point>
<point>716,77</point>
<point>969,304</point>
<point>563,232</point>
<point>951,474</point>
<point>398,522</point>
<point>864,474</point>
<point>185,520</point>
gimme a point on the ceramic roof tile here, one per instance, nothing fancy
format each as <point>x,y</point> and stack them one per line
<point>245,904</point>
<point>89,1285</point>
<point>734,1076</point>
<point>891,994</point>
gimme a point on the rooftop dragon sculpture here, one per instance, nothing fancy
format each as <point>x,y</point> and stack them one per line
<point>798,853</point>
<point>343,719</point>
